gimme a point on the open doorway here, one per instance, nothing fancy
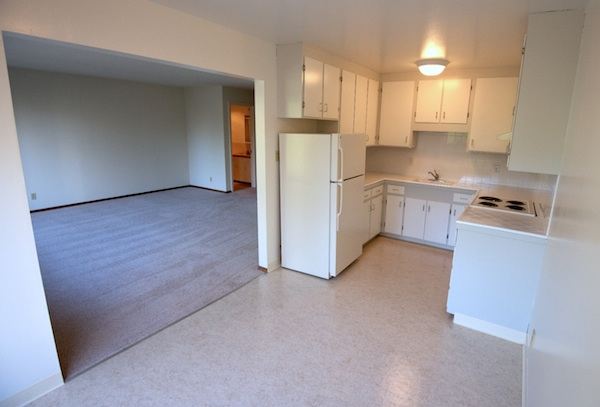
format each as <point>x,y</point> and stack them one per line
<point>241,125</point>
<point>126,164</point>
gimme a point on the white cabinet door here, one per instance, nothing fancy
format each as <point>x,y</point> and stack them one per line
<point>347,103</point>
<point>544,101</point>
<point>394,212</point>
<point>360,105</point>
<point>493,107</point>
<point>313,88</point>
<point>436,224</point>
<point>331,92</point>
<point>376,211</point>
<point>372,109</point>
<point>455,101</point>
<point>367,221</point>
<point>395,123</point>
<point>429,101</point>
<point>455,213</point>
<point>414,218</point>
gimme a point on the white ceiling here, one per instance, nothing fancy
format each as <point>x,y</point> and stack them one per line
<point>34,53</point>
<point>385,35</point>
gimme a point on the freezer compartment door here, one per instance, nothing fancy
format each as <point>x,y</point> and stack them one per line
<point>348,156</point>
<point>347,223</point>
<point>305,205</point>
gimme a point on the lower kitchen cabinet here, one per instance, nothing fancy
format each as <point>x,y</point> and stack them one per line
<point>375,217</point>
<point>426,220</point>
<point>436,222</point>
<point>455,213</point>
<point>394,214</point>
<point>372,211</point>
<point>414,218</point>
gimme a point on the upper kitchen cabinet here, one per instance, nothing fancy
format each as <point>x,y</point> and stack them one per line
<point>429,101</point>
<point>546,84</point>
<point>372,110</point>
<point>307,88</point>
<point>493,108</point>
<point>443,101</point>
<point>395,122</point>
<point>347,102</point>
<point>360,105</point>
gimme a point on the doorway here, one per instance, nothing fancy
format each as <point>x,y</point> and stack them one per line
<point>241,129</point>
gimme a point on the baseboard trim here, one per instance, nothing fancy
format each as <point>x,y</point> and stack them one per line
<point>209,189</point>
<point>489,328</point>
<point>33,392</point>
<point>109,199</point>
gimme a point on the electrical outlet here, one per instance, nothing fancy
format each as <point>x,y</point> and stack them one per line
<point>33,196</point>
<point>210,179</point>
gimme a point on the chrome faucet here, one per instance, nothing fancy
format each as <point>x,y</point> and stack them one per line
<point>435,176</point>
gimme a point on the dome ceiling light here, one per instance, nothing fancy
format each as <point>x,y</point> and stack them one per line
<point>432,66</point>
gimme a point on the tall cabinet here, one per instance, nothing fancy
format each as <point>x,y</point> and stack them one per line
<point>546,84</point>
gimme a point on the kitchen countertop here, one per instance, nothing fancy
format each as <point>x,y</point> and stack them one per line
<point>534,226</point>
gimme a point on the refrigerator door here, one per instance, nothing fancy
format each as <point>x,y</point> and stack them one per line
<point>305,205</point>
<point>348,156</point>
<point>347,223</point>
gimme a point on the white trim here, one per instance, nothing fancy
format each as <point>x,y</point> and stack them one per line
<point>489,328</point>
<point>33,392</point>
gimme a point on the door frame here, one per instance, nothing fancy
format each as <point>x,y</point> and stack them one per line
<point>229,144</point>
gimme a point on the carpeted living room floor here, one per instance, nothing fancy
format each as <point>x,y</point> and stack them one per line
<point>118,271</point>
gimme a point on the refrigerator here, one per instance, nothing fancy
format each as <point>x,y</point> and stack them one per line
<point>321,190</point>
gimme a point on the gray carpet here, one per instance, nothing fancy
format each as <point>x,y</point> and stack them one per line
<point>118,271</point>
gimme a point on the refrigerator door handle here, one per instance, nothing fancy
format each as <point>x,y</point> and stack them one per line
<point>341,161</point>
<point>340,205</point>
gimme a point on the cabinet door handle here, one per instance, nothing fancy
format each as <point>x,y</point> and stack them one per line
<point>428,208</point>
<point>406,140</point>
<point>472,142</point>
<point>436,115</point>
<point>423,207</point>
<point>455,212</point>
<point>444,115</point>
<point>326,107</point>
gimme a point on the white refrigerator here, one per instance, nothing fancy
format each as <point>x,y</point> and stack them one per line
<point>321,189</point>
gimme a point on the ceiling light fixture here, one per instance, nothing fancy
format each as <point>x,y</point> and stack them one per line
<point>432,66</point>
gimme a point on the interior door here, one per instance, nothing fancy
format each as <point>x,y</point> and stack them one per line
<point>372,109</point>
<point>347,223</point>
<point>436,223</point>
<point>429,101</point>
<point>360,105</point>
<point>455,101</point>
<point>414,218</point>
<point>347,103</point>
<point>376,215</point>
<point>313,88</point>
<point>331,92</point>
<point>455,213</point>
<point>394,214</point>
<point>395,123</point>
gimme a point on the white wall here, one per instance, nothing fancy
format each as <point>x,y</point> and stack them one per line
<point>143,29</point>
<point>84,138</point>
<point>563,364</point>
<point>206,138</point>
<point>448,154</point>
<point>27,351</point>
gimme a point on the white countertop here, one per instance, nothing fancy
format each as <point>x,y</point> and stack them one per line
<point>534,226</point>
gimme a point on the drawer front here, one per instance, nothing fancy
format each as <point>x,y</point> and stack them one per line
<point>395,189</point>
<point>367,194</point>
<point>377,191</point>
<point>463,198</point>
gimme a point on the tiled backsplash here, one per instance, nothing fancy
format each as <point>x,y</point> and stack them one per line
<point>448,154</point>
